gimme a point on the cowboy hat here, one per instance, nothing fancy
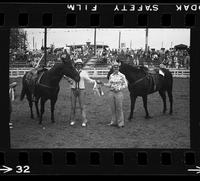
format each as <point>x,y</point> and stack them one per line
<point>78,61</point>
<point>116,64</point>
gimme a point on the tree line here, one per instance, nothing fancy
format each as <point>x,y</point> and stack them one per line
<point>18,39</point>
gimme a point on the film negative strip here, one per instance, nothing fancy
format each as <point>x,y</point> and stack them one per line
<point>92,61</point>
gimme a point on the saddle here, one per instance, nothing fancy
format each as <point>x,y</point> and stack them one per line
<point>152,76</point>
<point>34,73</point>
<point>33,76</point>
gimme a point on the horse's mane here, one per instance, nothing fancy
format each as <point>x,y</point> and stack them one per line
<point>130,68</point>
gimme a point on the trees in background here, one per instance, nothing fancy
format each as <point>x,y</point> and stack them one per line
<point>18,39</point>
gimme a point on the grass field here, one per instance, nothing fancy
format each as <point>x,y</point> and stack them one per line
<point>162,131</point>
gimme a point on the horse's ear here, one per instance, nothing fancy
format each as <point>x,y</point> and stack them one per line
<point>120,63</point>
<point>66,58</point>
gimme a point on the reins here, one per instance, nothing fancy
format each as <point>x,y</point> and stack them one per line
<point>139,80</point>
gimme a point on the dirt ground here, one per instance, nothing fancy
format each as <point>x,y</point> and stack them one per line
<point>162,131</point>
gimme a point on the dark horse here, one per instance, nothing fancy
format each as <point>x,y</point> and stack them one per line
<point>47,86</point>
<point>141,83</point>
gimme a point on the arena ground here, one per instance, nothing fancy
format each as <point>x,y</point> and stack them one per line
<point>162,131</point>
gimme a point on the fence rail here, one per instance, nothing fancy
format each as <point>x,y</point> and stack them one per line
<point>97,73</point>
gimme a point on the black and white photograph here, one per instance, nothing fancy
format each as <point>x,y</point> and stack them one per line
<point>99,88</point>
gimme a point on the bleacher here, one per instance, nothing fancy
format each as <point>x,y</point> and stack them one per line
<point>19,64</point>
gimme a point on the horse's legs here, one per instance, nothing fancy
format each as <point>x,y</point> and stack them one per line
<point>36,106</point>
<point>30,104</point>
<point>53,101</point>
<point>42,102</point>
<point>169,92</point>
<point>163,96</point>
<point>133,99</point>
<point>145,106</point>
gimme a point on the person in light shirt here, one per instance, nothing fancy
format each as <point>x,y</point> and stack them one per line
<point>116,83</point>
<point>78,92</point>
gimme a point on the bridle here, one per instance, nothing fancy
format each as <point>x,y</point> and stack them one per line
<point>141,79</point>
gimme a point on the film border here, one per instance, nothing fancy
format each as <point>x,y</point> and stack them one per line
<point>124,161</point>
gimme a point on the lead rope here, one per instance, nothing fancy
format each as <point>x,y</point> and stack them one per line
<point>79,75</point>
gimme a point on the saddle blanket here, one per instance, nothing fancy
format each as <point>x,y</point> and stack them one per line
<point>161,72</point>
<point>154,71</point>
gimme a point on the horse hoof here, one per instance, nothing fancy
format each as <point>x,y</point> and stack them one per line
<point>52,122</point>
<point>148,117</point>
<point>32,117</point>
<point>130,119</point>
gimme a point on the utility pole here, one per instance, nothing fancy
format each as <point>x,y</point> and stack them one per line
<point>45,46</point>
<point>33,43</point>
<point>146,40</point>
<point>94,41</point>
<point>119,46</point>
<point>131,44</point>
<point>25,41</point>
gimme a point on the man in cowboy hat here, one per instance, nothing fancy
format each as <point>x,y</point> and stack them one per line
<point>78,92</point>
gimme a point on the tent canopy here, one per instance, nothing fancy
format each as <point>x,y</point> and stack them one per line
<point>181,47</point>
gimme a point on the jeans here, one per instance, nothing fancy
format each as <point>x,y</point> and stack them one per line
<point>80,95</point>
<point>116,105</point>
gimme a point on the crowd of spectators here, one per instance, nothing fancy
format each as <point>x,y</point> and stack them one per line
<point>20,58</point>
<point>172,58</point>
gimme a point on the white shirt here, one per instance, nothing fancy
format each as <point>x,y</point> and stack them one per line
<point>81,84</point>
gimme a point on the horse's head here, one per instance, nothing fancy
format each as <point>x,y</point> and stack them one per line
<point>69,71</point>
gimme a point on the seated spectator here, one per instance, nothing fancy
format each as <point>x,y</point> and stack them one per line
<point>187,61</point>
<point>176,65</point>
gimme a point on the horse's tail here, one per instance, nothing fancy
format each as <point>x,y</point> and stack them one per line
<point>23,92</point>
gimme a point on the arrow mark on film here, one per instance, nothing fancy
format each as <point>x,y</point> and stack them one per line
<point>6,169</point>
<point>195,170</point>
